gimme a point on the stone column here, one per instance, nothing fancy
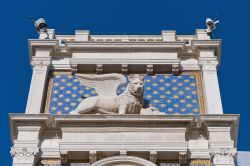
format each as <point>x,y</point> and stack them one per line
<point>41,65</point>
<point>24,156</point>
<point>211,89</point>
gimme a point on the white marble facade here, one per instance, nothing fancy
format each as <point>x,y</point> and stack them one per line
<point>112,139</point>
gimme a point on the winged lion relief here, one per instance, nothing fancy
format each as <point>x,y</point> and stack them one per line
<point>107,101</point>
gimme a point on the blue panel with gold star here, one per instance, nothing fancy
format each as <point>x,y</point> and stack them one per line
<point>170,94</point>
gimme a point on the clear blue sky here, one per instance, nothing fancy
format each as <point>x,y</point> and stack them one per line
<point>124,16</point>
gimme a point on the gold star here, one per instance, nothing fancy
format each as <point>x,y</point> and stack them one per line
<point>68,92</point>
<point>75,87</point>
<point>73,95</point>
<point>193,84</point>
<point>75,80</point>
<point>187,88</point>
<point>182,101</point>
<point>61,96</point>
<point>162,105</point>
<point>180,84</point>
<point>69,84</point>
<point>162,96</point>
<point>60,103</point>
<point>186,80</point>
<point>189,105</point>
<point>175,97</point>
<point>183,109</point>
<point>174,88</point>
<point>62,87</point>
<point>161,80</point>
<point>149,96</point>
<point>194,92</point>
<point>188,97</point>
<point>73,104</point>
<point>170,109</point>
<point>148,88</point>
<point>55,91</point>
<point>69,76</point>
<point>63,80</point>
<point>148,80</point>
<point>166,76</point>
<point>194,101</point>
<point>169,101</point>
<point>156,101</point>
<point>195,110</point>
<point>155,92</point>
<point>176,105</point>
<point>54,99</point>
<point>57,76</point>
<point>174,80</point>
<point>56,84</point>
<point>168,92</point>
<point>53,108</point>
<point>155,84</point>
<point>162,88</point>
<point>191,76</point>
<point>167,84</point>
<point>181,92</point>
<point>66,108</point>
<point>67,100</point>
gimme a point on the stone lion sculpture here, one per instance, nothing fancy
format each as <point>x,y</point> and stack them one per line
<point>107,101</point>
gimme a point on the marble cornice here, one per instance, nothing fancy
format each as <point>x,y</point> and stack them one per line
<point>131,46</point>
<point>58,121</point>
<point>51,44</point>
<point>215,45</point>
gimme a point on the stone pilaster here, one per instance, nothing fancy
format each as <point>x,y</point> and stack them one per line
<point>211,89</point>
<point>38,86</point>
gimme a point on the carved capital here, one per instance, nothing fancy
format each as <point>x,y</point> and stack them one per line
<point>99,69</point>
<point>223,155</point>
<point>92,157</point>
<point>209,65</point>
<point>40,65</point>
<point>124,69</point>
<point>150,69</point>
<point>24,155</point>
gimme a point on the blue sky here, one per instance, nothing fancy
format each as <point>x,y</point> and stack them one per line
<point>124,16</point>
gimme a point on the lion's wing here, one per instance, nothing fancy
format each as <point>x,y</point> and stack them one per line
<point>105,84</point>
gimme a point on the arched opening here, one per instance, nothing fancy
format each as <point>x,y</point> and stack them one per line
<point>123,161</point>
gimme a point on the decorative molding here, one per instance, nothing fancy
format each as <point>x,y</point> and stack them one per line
<point>24,155</point>
<point>124,69</point>
<point>176,69</point>
<point>153,156</point>
<point>150,69</point>
<point>92,157</point>
<point>99,69</point>
<point>64,157</point>
<point>73,69</point>
<point>183,157</point>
